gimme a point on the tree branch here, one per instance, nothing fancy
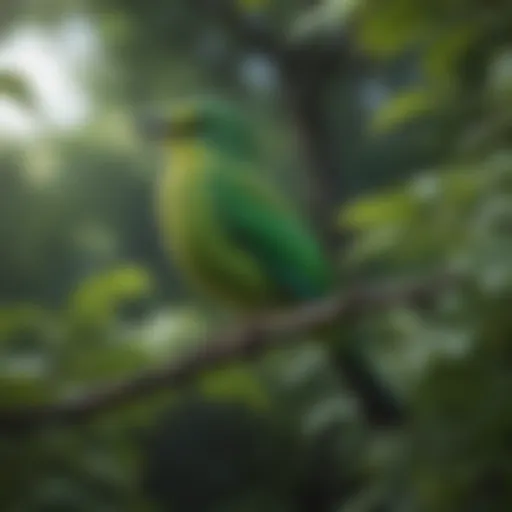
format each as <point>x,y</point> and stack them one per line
<point>245,342</point>
<point>310,66</point>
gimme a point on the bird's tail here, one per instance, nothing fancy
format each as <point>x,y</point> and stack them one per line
<point>381,406</point>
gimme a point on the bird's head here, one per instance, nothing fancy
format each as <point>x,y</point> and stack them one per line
<point>214,123</point>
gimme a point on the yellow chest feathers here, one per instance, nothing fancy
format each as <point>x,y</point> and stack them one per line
<point>179,193</point>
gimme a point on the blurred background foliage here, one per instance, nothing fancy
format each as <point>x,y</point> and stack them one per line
<point>422,130</point>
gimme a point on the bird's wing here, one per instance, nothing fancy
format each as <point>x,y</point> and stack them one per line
<point>260,223</point>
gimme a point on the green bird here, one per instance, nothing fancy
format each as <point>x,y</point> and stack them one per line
<point>233,237</point>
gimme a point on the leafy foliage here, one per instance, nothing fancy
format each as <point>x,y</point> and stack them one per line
<point>88,296</point>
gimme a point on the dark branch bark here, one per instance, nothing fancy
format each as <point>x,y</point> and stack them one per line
<point>219,350</point>
<point>309,70</point>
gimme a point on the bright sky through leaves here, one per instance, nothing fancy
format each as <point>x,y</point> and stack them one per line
<point>51,63</point>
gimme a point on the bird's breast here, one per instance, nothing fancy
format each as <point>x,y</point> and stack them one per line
<point>181,203</point>
<point>194,233</point>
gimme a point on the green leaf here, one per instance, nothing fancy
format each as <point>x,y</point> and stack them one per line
<point>237,382</point>
<point>15,88</point>
<point>20,319</point>
<point>402,109</point>
<point>440,59</point>
<point>327,15</point>
<point>377,210</point>
<point>31,388</point>
<point>253,6</point>
<point>104,363</point>
<point>500,76</point>
<point>97,299</point>
<point>167,332</point>
<point>389,28</point>
<point>436,204</point>
<point>374,244</point>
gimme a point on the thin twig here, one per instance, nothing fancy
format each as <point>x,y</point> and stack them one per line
<point>219,350</point>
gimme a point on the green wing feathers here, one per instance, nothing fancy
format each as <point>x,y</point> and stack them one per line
<point>263,225</point>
